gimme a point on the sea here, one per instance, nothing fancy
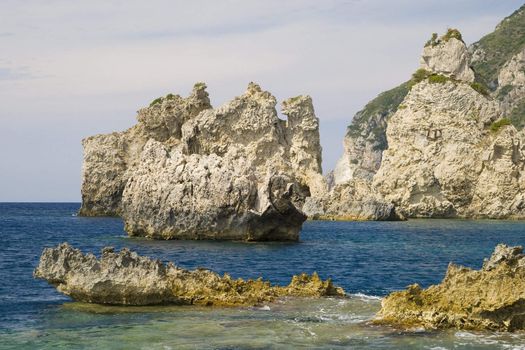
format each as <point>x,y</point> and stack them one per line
<point>368,259</point>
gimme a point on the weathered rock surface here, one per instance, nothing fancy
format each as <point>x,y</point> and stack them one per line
<point>126,278</point>
<point>366,140</point>
<point>439,145</point>
<point>354,200</point>
<point>446,161</point>
<point>188,171</point>
<point>448,56</point>
<point>109,159</point>
<point>492,298</point>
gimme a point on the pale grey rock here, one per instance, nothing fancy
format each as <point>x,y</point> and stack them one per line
<point>356,200</point>
<point>363,144</point>
<point>448,57</point>
<point>188,171</point>
<point>432,153</point>
<point>503,254</point>
<point>444,160</point>
<point>513,72</point>
<point>313,208</point>
<point>110,158</point>
<point>176,196</point>
<point>117,278</point>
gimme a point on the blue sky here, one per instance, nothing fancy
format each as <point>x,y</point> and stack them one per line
<point>70,69</point>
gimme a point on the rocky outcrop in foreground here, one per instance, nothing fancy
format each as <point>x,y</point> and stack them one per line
<point>189,171</point>
<point>126,278</point>
<point>492,298</point>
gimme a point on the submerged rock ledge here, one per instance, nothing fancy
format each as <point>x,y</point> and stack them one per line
<point>126,278</point>
<point>492,298</point>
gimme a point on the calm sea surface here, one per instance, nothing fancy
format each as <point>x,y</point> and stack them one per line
<point>368,259</point>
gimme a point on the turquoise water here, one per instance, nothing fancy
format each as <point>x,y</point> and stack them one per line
<point>368,259</point>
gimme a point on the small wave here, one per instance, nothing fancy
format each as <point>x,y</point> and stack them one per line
<point>264,308</point>
<point>485,339</point>
<point>74,214</point>
<point>365,297</point>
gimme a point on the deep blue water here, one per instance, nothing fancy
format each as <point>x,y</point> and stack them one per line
<point>372,258</point>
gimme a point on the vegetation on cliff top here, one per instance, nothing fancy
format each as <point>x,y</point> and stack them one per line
<point>451,33</point>
<point>498,47</point>
<point>160,99</point>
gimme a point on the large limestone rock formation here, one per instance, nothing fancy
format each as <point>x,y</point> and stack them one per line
<point>126,278</point>
<point>446,158</point>
<point>441,144</point>
<point>492,298</point>
<point>188,171</point>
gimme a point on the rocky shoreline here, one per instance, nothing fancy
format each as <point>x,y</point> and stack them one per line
<point>492,298</point>
<point>126,278</point>
<point>448,143</point>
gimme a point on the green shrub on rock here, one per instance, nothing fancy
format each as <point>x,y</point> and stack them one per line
<point>480,88</point>
<point>499,123</point>
<point>451,33</point>
<point>155,101</point>
<point>438,79</point>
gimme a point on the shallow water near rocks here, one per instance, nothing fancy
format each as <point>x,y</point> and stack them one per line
<point>368,259</point>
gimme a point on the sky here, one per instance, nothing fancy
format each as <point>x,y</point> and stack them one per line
<point>70,69</point>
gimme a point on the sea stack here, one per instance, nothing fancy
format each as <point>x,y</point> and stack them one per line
<point>189,171</point>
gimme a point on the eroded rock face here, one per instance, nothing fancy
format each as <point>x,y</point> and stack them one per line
<point>511,88</point>
<point>354,200</point>
<point>188,171</point>
<point>126,278</point>
<point>449,57</point>
<point>109,159</point>
<point>445,160</point>
<point>492,298</point>
<point>449,151</point>
<point>439,145</point>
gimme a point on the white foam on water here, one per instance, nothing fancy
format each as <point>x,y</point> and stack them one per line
<point>490,339</point>
<point>366,297</point>
<point>514,347</point>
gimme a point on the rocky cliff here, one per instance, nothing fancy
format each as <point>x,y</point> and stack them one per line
<point>447,143</point>
<point>450,150</point>
<point>491,298</point>
<point>189,171</point>
<point>126,278</point>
